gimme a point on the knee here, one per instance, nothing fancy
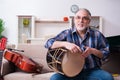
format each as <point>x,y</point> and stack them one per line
<point>53,78</point>
<point>57,77</point>
<point>108,77</point>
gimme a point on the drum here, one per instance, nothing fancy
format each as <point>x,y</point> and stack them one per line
<point>64,62</point>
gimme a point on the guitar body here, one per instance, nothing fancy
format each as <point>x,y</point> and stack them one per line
<point>22,62</point>
<point>65,62</point>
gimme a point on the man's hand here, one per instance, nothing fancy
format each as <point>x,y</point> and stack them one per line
<point>93,51</point>
<point>73,48</point>
<point>87,52</point>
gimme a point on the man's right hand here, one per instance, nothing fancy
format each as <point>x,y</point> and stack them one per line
<point>73,48</point>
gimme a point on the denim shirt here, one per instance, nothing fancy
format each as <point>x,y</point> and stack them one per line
<point>93,38</point>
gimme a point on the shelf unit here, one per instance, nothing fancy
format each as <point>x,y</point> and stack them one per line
<point>25,27</point>
<point>37,30</point>
<point>50,21</point>
<point>49,27</point>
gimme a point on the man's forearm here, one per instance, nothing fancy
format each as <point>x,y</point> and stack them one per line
<point>97,53</point>
<point>58,44</point>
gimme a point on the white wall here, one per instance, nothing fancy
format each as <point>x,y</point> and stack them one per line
<point>57,9</point>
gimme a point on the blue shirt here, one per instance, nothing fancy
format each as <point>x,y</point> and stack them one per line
<point>93,38</point>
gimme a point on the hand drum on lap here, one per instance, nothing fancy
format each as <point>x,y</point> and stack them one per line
<point>65,62</point>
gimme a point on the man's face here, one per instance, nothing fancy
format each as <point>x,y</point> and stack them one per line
<point>81,20</point>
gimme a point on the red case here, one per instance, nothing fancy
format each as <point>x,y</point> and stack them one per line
<point>3,42</point>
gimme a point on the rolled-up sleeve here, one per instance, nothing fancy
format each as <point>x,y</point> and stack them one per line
<point>104,47</point>
<point>49,43</point>
<point>60,37</point>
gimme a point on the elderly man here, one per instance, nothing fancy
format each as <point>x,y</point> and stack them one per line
<point>90,42</point>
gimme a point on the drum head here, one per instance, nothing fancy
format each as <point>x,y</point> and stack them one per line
<point>72,64</point>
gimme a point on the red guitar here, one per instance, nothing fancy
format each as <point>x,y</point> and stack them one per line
<point>21,61</point>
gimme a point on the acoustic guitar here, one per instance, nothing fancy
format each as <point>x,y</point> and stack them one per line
<point>21,61</point>
<point>64,62</point>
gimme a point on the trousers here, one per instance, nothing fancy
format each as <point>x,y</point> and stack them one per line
<point>90,74</point>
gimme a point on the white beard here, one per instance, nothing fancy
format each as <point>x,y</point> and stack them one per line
<point>81,28</point>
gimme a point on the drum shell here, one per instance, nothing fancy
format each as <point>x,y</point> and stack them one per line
<point>63,61</point>
<point>54,59</point>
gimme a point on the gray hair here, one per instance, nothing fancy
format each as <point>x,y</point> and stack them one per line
<point>86,10</point>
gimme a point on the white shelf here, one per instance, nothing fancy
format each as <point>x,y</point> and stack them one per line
<point>50,21</point>
<point>40,30</point>
<point>25,31</point>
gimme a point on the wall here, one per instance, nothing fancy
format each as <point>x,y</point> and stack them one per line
<point>56,9</point>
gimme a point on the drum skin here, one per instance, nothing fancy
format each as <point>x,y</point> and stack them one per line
<point>63,61</point>
<point>72,64</point>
